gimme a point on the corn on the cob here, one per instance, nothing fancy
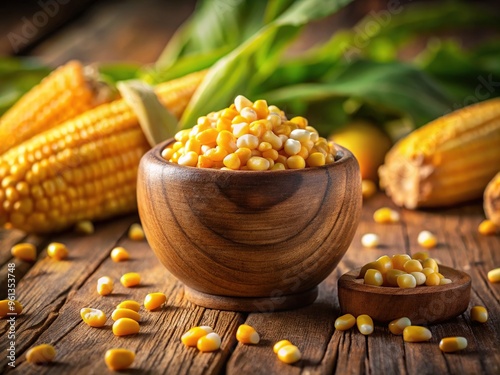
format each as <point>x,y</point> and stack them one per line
<point>65,93</point>
<point>448,161</point>
<point>83,169</point>
<point>492,200</point>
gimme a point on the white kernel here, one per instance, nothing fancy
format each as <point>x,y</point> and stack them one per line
<point>370,240</point>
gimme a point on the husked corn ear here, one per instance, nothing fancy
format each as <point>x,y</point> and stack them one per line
<point>492,200</point>
<point>448,161</point>
<point>65,93</point>
<point>83,169</point>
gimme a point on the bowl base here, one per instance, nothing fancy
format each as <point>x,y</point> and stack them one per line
<point>251,304</point>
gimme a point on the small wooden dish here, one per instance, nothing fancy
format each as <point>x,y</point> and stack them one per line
<point>422,305</point>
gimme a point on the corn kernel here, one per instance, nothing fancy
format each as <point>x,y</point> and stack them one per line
<point>84,227</point>
<point>433,279</point>
<point>406,281</point>
<point>487,228</point>
<point>189,159</point>
<point>232,161</point>
<point>241,102</point>
<point>24,251</point>
<point>247,334</point>
<point>384,264</point>
<point>479,314</point>
<point>10,307</point>
<point>316,159</point>
<point>154,301</point>
<point>125,313</point>
<point>368,188</point>
<point>260,107</point>
<point>370,240</point>
<point>257,163</point>
<point>57,250</point>
<point>399,260</point>
<point>397,326</point>
<point>345,322</point>
<point>494,275</point>
<point>445,281</point>
<point>452,344</point>
<point>296,162</point>
<point>416,334</point>
<point>119,254</point>
<point>292,146</point>
<point>289,354</point>
<point>104,285</point>
<point>191,337</point>
<point>391,277</point>
<point>413,266</point>
<point>365,324</point>
<point>420,255</point>
<point>130,279</point>
<point>209,343</point>
<point>43,353</point>
<point>93,317</point>
<point>427,271</point>
<point>373,277</point>
<point>427,239</point>
<point>119,359</point>
<point>136,233</point>
<point>419,277</point>
<point>129,304</point>
<point>125,327</point>
<point>385,215</point>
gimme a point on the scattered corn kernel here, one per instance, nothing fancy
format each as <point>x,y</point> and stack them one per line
<point>487,228</point>
<point>125,327</point>
<point>125,313</point>
<point>289,354</point>
<point>416,334</point>
<point>368,188</point>
<point>93,317</point>
<point>191,337</point>
<point>84,227</point>
<point>427,239</point>
<point>135,232</point>
<point>397,326</point>
<point>365,324</point>
<point>209,343</point>
<point>104,285</point>
<point>494,275</point>
<point>10,307</point>
<point>406,281</point>
<point>57,250</point>
<point>280,344</point>
<point>370,240</point>
<point>479,314</point>
<point>373,277</point>
<point>130,279</point>
<point>386,215</point>
<point>154,301</point>
<point>119,359</point>
<point>452,344</point>
<point>119,254</point>
<point>247,334</point>
<point>129,304</point>
<point>344,322</point>
<point>43,353</point>
<point>24,251</point>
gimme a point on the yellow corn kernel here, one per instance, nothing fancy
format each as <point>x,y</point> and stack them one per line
<point>479,314</point>
<point>119,359</point>
<point>136,233</point>
<point>427,239</point>
<point>399,260</point>
<point>207,136</point>
<point>57,250</point>
<point>368,188</point>
<point>420,255</point>
<point>445,281</point>
<point>365,324</point>
<point>24,251</point>
<point>370,240</point>
<point>129,304</point>
<point>413,266</point>
<point>397,326</point>
<point>125,313</point>
<point>416,334</point>
<point>373,277</point>
<point>191,337</point>
<point>296,162</point>
<point>84,227</point>
<point>130,279</point>
<point>209,343</point>
<point>433,279</point>
<point>316,159</point>
<point>260,107</point>
<point>391,277</point>
<point>385,215</point>
<point>154,301</point>
<point>119,254</point>
<point>344,322</point>
<point>289,354</point>
<point>427,271</point>
<point>247,334</point>
<point>487,228</point>
<point>10,307</point>
<point>189,159</point>
<point>494,275</point>
<point>280,344</point>
<point>384,264</point>
<point>406,281</point>
<point>452,344</point>
<point>93,317</point>
<point>104,285</point>
<point>232,161</point>
<point>278,167</point>
<point>43,353</point>
<point>125,327</point>
<point>441,276</point>
<point>419,277</point>
<point>241,102</point>
<point>430,263</point>
<point>257,163</point>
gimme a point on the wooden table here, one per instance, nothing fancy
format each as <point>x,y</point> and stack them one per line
<point>54,292</point>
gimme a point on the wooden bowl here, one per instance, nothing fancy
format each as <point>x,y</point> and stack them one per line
<point>423,304</point>
<point>248,240</point>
